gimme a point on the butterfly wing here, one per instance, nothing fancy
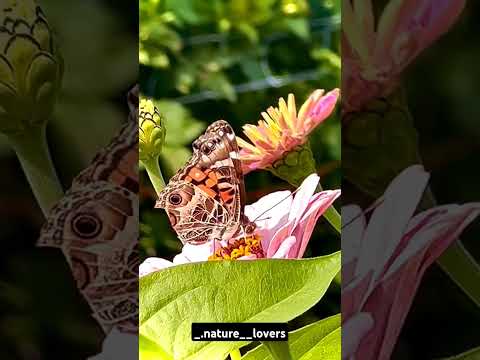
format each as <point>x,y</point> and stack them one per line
<point>117,163</point>
<point>96,226</point>
<point>194,214</point>
<point>208,192</point>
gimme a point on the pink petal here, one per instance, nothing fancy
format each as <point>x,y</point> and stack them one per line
<point>321,110</point>
<point>153,264</point>
<point>428,235</point>
<point>248,257</point>
<point>389,220</point>
<point>283,250</point>
<point>302,198</point>
<point>353,332</point>
<point>194,253</point>
<point>439,227</point>
<point>318,205</point>
<point>273,206</point>
<point>280,235</point>
<point>353,226</point>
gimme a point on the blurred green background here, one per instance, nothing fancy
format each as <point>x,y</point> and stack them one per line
<point>42,314</point>
<point>201,61</point>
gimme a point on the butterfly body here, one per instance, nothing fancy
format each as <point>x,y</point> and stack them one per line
<point>204,200</point>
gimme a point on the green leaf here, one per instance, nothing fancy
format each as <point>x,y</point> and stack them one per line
<point>182,127</point>
<point>299,27</point>
<point>473,354</point>
<point>279,350</point>
<point>174,158</point>
<point>268,290</point>
<point>320,340</point>
<point>150,351</point>
<point>219,83</point>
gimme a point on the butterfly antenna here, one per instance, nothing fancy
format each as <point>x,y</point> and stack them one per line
<point>278,203</point>
<point>365,212</point>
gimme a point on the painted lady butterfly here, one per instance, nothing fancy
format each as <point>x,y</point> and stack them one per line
<point>96,226</point>
<point>205,199</point>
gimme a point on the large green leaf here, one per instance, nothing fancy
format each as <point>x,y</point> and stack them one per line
<point>267,290</point>
<point>320,340</point>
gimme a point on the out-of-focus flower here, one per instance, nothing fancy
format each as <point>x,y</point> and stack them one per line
<point>284,226</point>
<point>279,142</point>
<point>151,131</point>
<point>31,67</point>
<point>376,51</point>
<point>118,345</point>
<point>386,258</point>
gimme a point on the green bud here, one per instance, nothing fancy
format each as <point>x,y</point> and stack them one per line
<point>295,166</point>
<point>31,67</point>
<point>378,143</point>
<point>151,131</point>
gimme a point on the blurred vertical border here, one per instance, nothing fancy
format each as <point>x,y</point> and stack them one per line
<point>43,316</point>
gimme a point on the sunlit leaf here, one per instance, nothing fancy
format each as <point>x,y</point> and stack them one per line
<point>267,290</point>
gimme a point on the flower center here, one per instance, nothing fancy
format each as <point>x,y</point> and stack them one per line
<point>250,245</point>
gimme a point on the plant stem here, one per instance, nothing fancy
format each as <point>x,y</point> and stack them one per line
<point>235,355</point>
<point>334,218</point>
<point>462,268</point>
<point>32,150</point>
<point>154,173</point>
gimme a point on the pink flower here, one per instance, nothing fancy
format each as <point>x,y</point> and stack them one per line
<point>284,226</point>
<point>282,129</point>
<point>384,260</point>
<point>373,56</point>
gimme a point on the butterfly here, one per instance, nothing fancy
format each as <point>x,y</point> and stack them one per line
<point>96,226</point>
<point>205,199</point>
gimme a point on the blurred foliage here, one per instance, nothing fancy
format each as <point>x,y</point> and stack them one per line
<point>224,59</point>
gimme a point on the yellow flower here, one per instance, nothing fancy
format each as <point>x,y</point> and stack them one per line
<point>283,130</point>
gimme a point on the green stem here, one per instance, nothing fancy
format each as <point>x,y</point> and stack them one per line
<point>462,268</point>
<point>334,218</point>
<point>32,151</point>
<point>278,349</point>
<point>235,355</point>
<point>457,262</point>
<point>332,215</point>
<point>154,173</point>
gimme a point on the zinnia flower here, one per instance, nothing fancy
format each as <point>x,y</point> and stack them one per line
<point>384,261</point>
<point>375,53</point>
<point>284,226</point>
<point>280,138</point>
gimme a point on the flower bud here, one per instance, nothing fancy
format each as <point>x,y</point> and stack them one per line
<point>151,131</point>
<point>31,67</point>
<point>378,143</point>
